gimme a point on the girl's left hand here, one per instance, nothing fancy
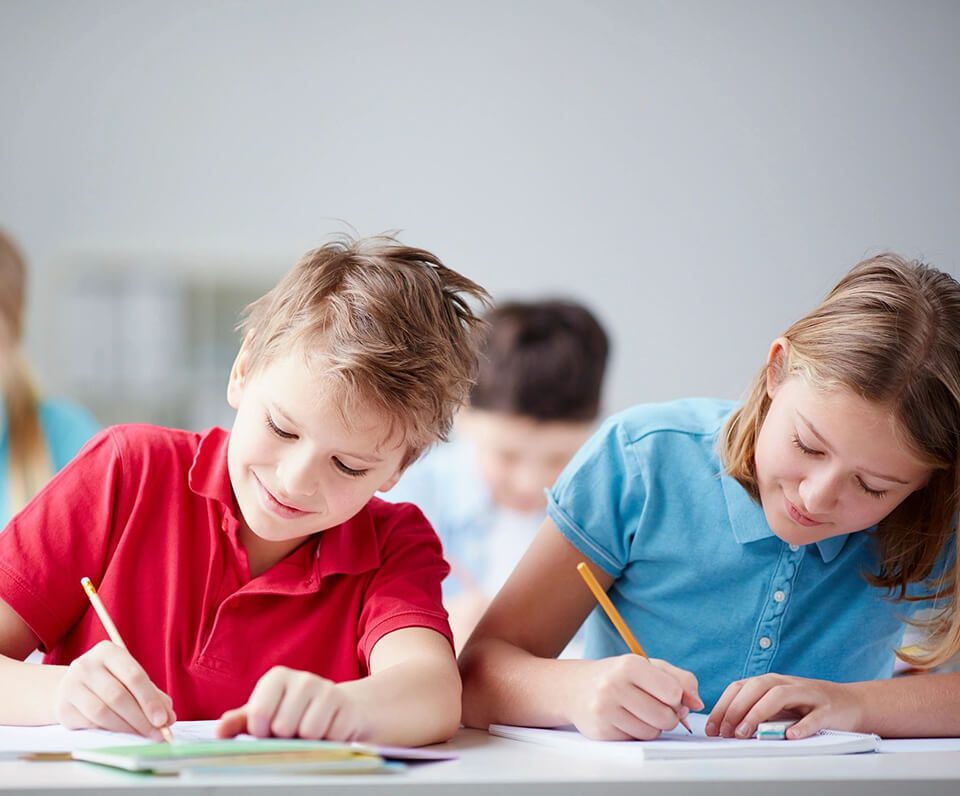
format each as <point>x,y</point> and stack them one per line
<point>292,704</point>
<point>820,704</point>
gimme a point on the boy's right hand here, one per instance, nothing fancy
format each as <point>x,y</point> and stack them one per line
<point>630,697</point>
<point>106,688</point>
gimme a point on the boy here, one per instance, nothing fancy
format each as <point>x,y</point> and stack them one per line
<point>534,404</point>
<point>253,575</point>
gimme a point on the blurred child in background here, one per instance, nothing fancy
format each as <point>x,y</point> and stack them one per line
<point>534,404</point>
<point>37,437</point>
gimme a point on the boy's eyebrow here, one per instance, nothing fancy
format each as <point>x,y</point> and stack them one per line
<point>862,469</point>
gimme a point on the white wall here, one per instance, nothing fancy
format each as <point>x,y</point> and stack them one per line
<point>699,172</point>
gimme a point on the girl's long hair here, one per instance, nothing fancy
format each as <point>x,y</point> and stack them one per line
<point>29,466</point>
<point>890,332</point>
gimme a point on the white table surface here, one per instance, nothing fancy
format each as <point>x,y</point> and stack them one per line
<point>490,765</point>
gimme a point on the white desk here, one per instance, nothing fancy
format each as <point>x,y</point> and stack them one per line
<point>500,767</point>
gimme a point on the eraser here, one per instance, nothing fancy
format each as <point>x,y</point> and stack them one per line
<point>774,730</point>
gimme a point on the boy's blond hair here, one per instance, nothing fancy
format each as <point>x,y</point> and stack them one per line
<point>890,332</point>
<point>388,326</point>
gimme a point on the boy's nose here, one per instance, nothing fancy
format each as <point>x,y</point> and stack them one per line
<point>298,479</point>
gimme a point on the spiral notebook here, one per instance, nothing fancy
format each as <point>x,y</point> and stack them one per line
<point>678,744</point>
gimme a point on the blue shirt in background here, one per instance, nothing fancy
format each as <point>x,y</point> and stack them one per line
<point>481,540</point>
<point>700,577</point>
<point>66,427</point>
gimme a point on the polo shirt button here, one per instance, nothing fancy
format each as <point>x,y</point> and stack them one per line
<point>794,548</point>
<point>765,643</point>
<point>779,596</point>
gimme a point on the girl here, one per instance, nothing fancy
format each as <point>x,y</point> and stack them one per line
<point>37,437</point>
<point>742,541</point>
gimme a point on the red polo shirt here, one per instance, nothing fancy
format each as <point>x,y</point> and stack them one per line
<point>148,514</point>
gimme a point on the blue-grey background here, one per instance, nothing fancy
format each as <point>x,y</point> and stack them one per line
<point>699,173</point>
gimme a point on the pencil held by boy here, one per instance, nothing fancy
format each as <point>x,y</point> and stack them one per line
<point>252,573</point>
<point>535,402</point>
<point>762,546</point>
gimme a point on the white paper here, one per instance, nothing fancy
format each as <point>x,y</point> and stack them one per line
<point>680,744</point>
<point>56,738</point>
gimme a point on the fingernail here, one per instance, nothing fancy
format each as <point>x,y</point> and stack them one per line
<point>683,711</point>
<point>158,718</point>
<point>743,730</point>
<point>710,729</point>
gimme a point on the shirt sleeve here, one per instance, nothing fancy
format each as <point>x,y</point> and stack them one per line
<point>405,590</point>
<point>599,497</point>
<point>61,536</point>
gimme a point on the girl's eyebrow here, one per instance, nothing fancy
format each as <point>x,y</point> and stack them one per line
<point>827,445</point>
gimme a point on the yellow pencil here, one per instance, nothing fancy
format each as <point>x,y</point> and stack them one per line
<point>614,615</point>
<point>112,632</point>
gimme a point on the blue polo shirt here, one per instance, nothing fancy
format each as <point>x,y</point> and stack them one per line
<point>700,577</point>
<point>66,427</point>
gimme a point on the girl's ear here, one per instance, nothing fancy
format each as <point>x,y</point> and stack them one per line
<point>239,371</point>
<point>778,361</point>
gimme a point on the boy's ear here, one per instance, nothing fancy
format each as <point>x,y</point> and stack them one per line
<point>778,361</point>
<point>391,482</point>
<point>239,372</point>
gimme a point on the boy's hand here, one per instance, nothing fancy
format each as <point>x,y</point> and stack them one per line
<point>629,696</point>
<point>106,688</point>
<point>822,704</point>
<point>288,703</point>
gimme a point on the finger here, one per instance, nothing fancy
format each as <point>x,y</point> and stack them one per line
<point>96,713</point>
<point>113,693</point>
<point>297,695</point>
<point>772,705</point>
<point>152,702</point>
<point>718,715</point>
<point>687,680</point>
<point>660,684</point>
<point>633,727</point>
<point>264,700</point>
<point>647,709</point>
<point>232,723</point>
<point>317,719</point>
<point>816,720</point>
<point>752,692</point>
<point>342,727</point>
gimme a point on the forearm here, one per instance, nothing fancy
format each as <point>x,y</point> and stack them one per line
<point>409,703</point>
<point>923,705</point>
<point>504,684</point>
<point>27,692</point>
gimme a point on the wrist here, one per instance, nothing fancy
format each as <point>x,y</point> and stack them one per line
<point>857,698</point>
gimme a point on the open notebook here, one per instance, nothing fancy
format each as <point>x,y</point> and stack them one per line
<point>679,744</point>
<point>196,746</point>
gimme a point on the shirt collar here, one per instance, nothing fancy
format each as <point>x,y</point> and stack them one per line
<point>350,547</point>
<point>749,524</point>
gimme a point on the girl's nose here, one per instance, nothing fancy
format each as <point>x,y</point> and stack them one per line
<point>818,493</point>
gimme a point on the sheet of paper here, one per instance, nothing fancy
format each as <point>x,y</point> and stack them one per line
<point>56,738</point>
<point>680,744</point>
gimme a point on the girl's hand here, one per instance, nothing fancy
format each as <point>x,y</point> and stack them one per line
<point>629,696</point>
<point>820,703</point>
<point>288,703</point>
<point>106,688</point>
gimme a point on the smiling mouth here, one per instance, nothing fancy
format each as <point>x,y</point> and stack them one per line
<point>277,506</point>
<point>799,517</point>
